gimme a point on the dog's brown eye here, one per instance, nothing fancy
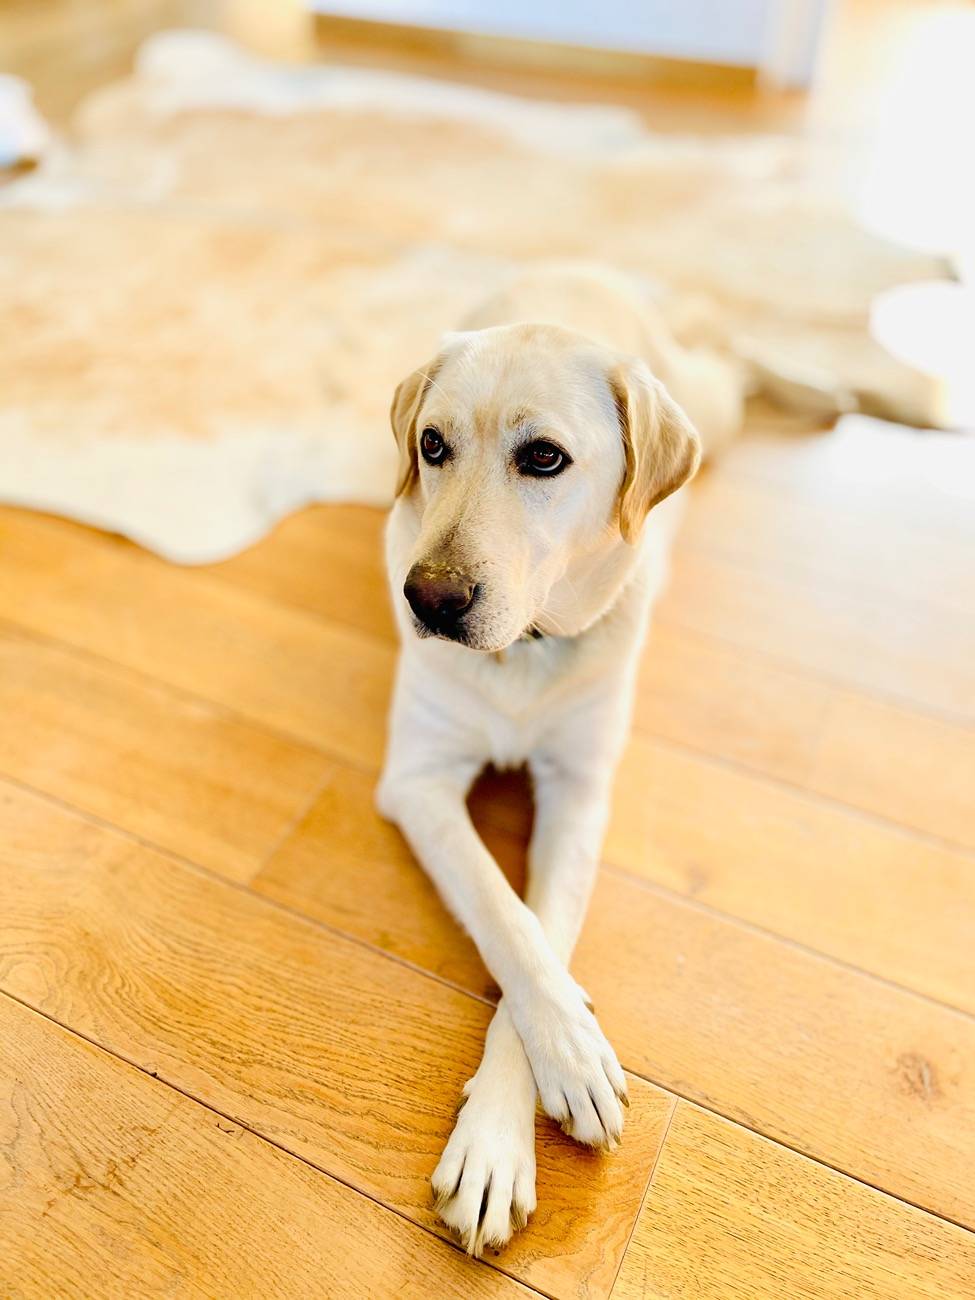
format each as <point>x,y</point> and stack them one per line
<point>540,458</point>
<point>433,446</point>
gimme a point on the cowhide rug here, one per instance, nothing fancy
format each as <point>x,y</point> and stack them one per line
<point>207,298</point>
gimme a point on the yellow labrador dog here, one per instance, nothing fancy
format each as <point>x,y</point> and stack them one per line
<point>532,449</point>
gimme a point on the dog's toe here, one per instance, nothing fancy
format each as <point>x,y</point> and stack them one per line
<point>595,1118</point>
<point>482,1211</point>
<point>484,1185</point>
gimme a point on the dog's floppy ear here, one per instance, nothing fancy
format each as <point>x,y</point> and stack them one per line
<point>663,449</point>
<point>402,415</point>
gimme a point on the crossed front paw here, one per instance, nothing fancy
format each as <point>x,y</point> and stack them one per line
<point>580,1082</point>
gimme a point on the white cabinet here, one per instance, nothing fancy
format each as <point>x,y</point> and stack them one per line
<point>779,37</point>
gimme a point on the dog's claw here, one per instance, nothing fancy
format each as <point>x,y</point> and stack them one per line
<point>484,1203</point>
<point>442,1196</point>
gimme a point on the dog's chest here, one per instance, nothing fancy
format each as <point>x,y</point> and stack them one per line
<point>518,695</point>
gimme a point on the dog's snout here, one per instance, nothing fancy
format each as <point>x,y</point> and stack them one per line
<point>439,595</point>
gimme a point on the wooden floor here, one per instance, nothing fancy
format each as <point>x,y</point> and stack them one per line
<point>234,1019</point>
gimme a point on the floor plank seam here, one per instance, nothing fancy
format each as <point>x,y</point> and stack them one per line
<point>673,1093</point>
<point>243,888</point>
<point>675,1102</point>
<point>695,904</point>
<point>803,792</point>
<point>681,900</point>
<point>218,709</point>
<point>738,476</point>
<point>364,768</point>
<point>967,1229</point>
<point>791,667</point>
<point>264,1138</point>
<point>381,953</point>
<point>322,750</point>
<point>292,825</point>
<point>794,667</point>
<point>809,579</point>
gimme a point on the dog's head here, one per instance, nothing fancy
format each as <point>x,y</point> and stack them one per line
<point>527,454</point>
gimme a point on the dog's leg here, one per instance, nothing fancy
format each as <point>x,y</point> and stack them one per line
<point>571,812</point>
<point>484,1185</point>
<point>574,1066</point>
<point>485,1182</point>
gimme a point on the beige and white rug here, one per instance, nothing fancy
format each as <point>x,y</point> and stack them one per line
<point>206,300</point>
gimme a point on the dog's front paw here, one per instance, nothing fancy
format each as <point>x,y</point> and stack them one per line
<point>484,1185</point>
<point>580,1081</point>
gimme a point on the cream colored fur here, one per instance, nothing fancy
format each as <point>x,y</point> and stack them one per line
<point>564,355</point>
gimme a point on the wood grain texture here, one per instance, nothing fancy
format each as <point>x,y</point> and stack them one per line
<point>323,684</point>
<point>908,649</point>
<point>326,560</point>
<point>826,574</point>
<point>699,690</point>
<point>863,1075</point>
<point>64,581</point>
<point>730,1216</point>
<point>232,635</point>
<point>338,1054</point>
<point>839,884</point>
<point>112,1184</point>
<point>867,893</point>
<point>176,771</point>
<point>915,770</point>
<point>703,693</point>
<point>829,542</point>
<point>320,867</point>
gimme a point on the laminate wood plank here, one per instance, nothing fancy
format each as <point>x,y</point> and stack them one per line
<point>112,1184</point>
<point>177,772</point>
<point>703,693</point>
<point>826,542</point>
<point>915,770</point>
<point>914,651</point>
<point>323,684</point>
<point>325,559</point>
<point>731,1216</point>
<point>694,689</point>
<point>859,1073</point>
<point>330,686</point>
<point>868,894</point>
<point>820,1240</point>
<point>874,897</point>
<point>335,1052</point>
<point>897,763</point>
<point>870,467</point>
<point>346,867</point>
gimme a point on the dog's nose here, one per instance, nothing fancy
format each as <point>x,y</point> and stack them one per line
<point>439,595</point>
